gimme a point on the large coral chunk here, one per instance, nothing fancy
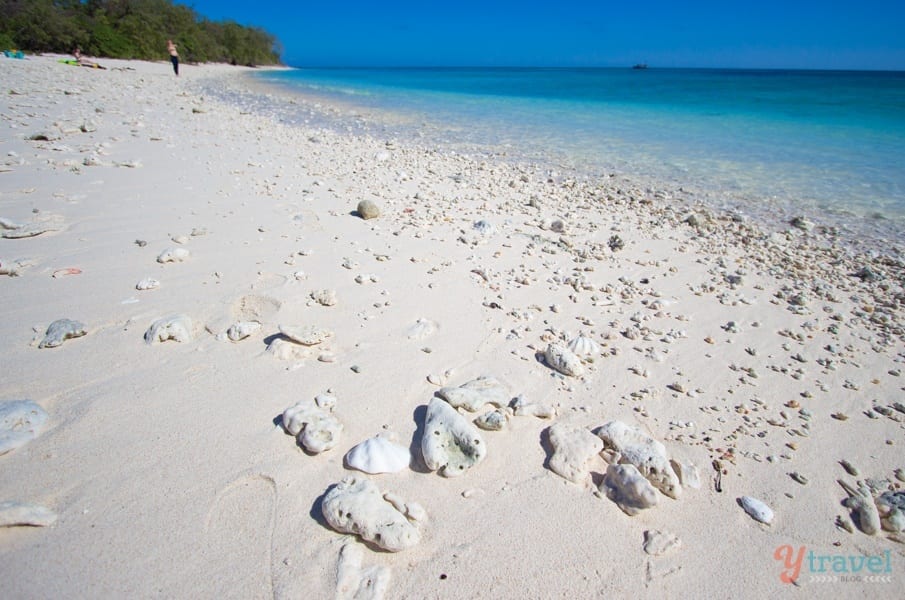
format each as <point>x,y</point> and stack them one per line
<point>451,445</point>
<point>644,452</point>
<point>355,505</point>
<point>61,330</point>
<point>178,328</point>
<point>572,450</point>
<point>627,487</point>
<point>315,427</point>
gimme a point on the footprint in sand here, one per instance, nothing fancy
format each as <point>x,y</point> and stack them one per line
<point>255,308</point>
<point>238,534</point>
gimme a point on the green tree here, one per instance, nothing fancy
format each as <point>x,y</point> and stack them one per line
<point>42,25</point>
<point>130,29</point>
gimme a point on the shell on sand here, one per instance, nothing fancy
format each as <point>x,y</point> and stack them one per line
<point>378,455</point>
<point>756,509</point>
<point>584,346</point>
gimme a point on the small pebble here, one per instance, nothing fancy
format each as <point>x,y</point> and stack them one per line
<point>845,524</point>
<point>367,209</point>
<point>849,468</point>
<point>798,477</point>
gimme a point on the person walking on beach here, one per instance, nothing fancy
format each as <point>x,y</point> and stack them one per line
<point>174,56</point>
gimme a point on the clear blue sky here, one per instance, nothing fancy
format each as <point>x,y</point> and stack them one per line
<point>827,34</point>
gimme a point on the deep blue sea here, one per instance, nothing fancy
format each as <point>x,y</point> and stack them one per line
<point>823,143</point>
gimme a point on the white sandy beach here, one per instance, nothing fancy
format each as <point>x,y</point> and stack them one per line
<point>750,355</point>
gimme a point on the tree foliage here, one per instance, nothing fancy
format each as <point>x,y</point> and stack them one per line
<point>132,29</point>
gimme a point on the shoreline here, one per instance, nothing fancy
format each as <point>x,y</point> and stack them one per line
<point>766,209</point>
<point>834,245</point>
<point>750,355</point>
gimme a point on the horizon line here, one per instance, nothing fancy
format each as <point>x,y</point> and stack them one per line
<point>647,67</point>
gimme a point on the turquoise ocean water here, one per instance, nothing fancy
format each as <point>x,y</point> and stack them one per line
<point>823,143</point>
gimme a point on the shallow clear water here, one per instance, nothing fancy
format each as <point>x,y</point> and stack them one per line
<point>830,144</point>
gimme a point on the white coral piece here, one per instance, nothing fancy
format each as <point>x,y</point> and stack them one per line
<point>378,455</point>
<point>177,327</point>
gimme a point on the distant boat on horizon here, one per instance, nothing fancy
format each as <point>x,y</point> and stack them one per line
<point>640,66</point>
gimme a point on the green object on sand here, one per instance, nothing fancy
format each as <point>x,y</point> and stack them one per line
<point>75,63</point>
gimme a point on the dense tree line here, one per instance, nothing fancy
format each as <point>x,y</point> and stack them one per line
<point>132,29</point>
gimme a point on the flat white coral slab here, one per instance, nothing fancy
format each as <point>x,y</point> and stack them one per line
<point>20,422</point>
<point>474,394</point>
<point>354,582</point>
<point>306,335</point>
<point>573,450</point>
<point>15,514</point>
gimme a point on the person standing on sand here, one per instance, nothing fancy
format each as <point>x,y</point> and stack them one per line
<point>174,56</point>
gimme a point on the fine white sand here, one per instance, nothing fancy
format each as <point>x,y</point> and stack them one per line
<point>756,354</point>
